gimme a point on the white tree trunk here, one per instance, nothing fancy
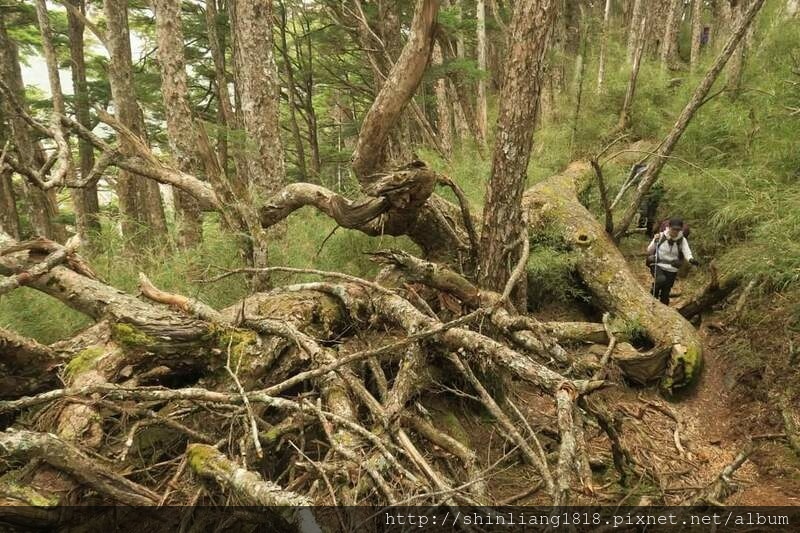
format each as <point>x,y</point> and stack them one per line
<point>481,111</point>
<point>443,114</point>
<point>697,31</point>
<point>670,33</point>
<point>601,69</point>
<point>636,14</point>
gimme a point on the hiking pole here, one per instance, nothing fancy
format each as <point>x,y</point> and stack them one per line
<point>655,266</point>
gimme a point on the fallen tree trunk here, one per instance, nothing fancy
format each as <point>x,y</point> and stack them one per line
<point>554,203</point>
<point>69,459</point>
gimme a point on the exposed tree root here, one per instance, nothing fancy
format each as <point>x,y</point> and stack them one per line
<point>316,393</point>
<point>264,372</point>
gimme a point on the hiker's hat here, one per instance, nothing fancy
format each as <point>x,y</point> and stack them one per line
<point>676,222</point>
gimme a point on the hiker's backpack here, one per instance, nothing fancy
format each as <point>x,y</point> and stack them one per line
<point>662,227</point>
<point>651,259</point>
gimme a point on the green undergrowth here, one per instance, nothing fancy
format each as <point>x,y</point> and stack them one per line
<point>45,319</point>
<point>733,177</point>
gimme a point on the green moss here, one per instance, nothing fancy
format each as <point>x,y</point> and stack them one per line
<point>85,360</point>
<point>631,330</point>
<point>237,340</point>
<point>691,362</point>
<point>199,456</point>
<point>26,494</point>
<point>451,425</point>
<point>131,337</point>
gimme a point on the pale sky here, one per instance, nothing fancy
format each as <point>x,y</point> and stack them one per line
<point>35,72</point>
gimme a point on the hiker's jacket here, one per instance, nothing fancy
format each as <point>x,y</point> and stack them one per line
<point>671,252</point>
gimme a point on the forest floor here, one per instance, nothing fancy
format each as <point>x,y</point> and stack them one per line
<point>679,446</point>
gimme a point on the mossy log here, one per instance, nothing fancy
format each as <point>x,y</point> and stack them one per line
<point>209,463</point>
<point>554,204</point>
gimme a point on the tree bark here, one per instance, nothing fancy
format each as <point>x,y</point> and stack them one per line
<point>217,48</point>
<point>9,216</point>
<point>256,78</point>
<point>42,206</point>
<point>444,119</point>
<point>697,32</point>
<point>627,104</point>
<point>87,205</point>
<point>669,43</point>
<point>503,225</point>
<point>736,65</point>
<point>310,114</point>
<point>59,107</point>
<point>580,71</point>
<point>601,68</point>
<point>139,198</point>
<point>300,155</point>
<point>180,124</point>
<point>633,31</point>
<point>666,147</point>
<point>481,105</point>
<point>400,85</point>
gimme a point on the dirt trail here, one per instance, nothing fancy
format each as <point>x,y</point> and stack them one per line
<point>714,422</point>
<point>680,446</point>
<point>712,428</point>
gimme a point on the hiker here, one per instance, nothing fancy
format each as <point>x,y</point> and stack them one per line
<point>648,209</point>
<point>665,255</point>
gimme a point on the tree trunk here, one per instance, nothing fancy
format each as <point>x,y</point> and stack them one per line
<point>700,93</point>
<point>256,77</point>
<point>140,203</point>
<point>697,32</point>
<point>627,104</point>
<point>669,43</point>
<point>725,20</point>
<point>217,48</point>
<point>87,205</point>
<point>42,206</point>
<point>444,119</point>
<point>300,155</point>
<point>633,31</point>
<point>9,217</point>
<point>395,93</point>
<point>736,66</point>
<point>59,107</point>
<point>310,114</point>
<point>580,71</point>
<point>573,23</point>
<point>180,125</point>
<point>460,123</point>
<point>503,225</point>
<point>677,354</point>
<point>601,69</point>
<point>480,104</point>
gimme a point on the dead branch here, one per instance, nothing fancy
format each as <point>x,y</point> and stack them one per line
<point>68,458</point>
<point>565,404</point>
<point>209,463</point>
<point>600,373</point>
<point>56,257</point>
<point>723,485</point>
<point>395,92</point>
<point>463,203</point>
<point>713,293</point>
<point>535,458</point>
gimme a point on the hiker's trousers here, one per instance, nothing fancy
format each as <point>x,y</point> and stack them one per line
<point>663,280</point>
